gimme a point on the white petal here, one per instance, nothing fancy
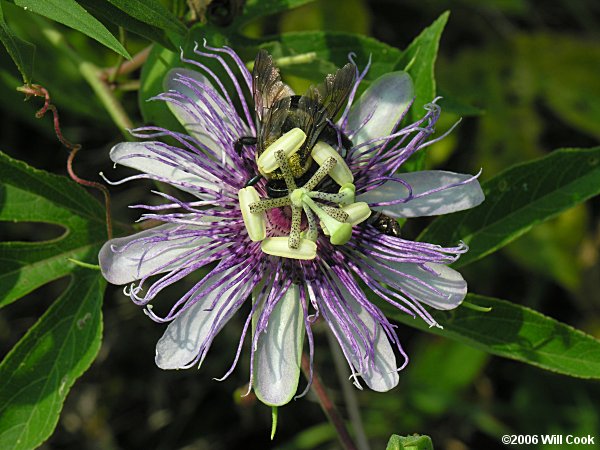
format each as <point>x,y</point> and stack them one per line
<point>181,342</point>
<point>384,101</point>
<point>199,126</point>
<point>383,375</point>
<point>451,199</point>
<point>156,253</point>
<point>144,156</point>
<point>279,351</point>
<point>448,282</point>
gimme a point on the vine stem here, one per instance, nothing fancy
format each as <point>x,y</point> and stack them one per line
<point>126,67</point>
<point>327,404</point>
<point>39,91</point>
<point>349,393</point>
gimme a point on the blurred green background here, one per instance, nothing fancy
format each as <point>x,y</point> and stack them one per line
<point>523,74</point>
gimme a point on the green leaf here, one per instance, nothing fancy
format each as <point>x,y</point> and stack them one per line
<point>39,371</point>
<point>351,16</point>
<point>419,61</point>
<point>71,14</point>
<point>515,332</point>
<point>30,195</point>
<point>259,8</point>
<point>120,18</point>
<point>151,12</point>
<point>518,199</point>
<point>21,52</point>
<point>415,442</point>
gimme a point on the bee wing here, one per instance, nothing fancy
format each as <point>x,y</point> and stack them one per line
<point>270,94</point>
<point>321,103</point>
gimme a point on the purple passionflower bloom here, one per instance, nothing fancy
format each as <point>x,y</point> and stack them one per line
<point>244,249</point>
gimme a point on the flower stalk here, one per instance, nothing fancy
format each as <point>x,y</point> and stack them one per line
<point>327,404</point>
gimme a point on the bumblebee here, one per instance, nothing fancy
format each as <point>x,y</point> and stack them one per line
<point>384,223</point>
<point>278,110</point>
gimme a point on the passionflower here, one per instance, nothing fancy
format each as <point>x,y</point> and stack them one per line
<point>290,260</point>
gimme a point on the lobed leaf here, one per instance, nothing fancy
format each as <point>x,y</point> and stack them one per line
<point>30,195</point>
<point>518,199</point>
<point>39,371</point>
<point>71,14</point>
<point>516,332</point>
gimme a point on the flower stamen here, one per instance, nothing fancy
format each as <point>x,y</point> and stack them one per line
<point>289,143</point>
<point>341,173</point>
<point>336,222</point>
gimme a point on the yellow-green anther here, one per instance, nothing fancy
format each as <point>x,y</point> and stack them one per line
<point>290,142</point>
<point>357,212</point>
<point>278,246</point>
<point>255,222</point>
<point>340,173</point>
<point>348,191</point>
<point>341,235</point>
<point>339,232</point>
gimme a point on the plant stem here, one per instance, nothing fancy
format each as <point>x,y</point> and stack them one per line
<point>349,393</point>
<point>92,74</point>
<point>128,66</point>
<point>113,75</point>
<point>327,405</point>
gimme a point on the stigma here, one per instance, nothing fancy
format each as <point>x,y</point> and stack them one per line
<point>334,213</point>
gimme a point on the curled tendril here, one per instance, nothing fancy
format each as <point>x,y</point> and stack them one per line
<point>36,90</point>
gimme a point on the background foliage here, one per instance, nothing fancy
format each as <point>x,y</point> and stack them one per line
<point>521,73</point>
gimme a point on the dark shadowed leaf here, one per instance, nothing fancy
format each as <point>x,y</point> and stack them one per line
<point>21,52</point>
<point>151,12</point>
<point>112,14</point>
<point>259,8</point>
<point>518,199</point>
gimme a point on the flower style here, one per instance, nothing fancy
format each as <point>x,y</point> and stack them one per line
<point>299,256</point>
